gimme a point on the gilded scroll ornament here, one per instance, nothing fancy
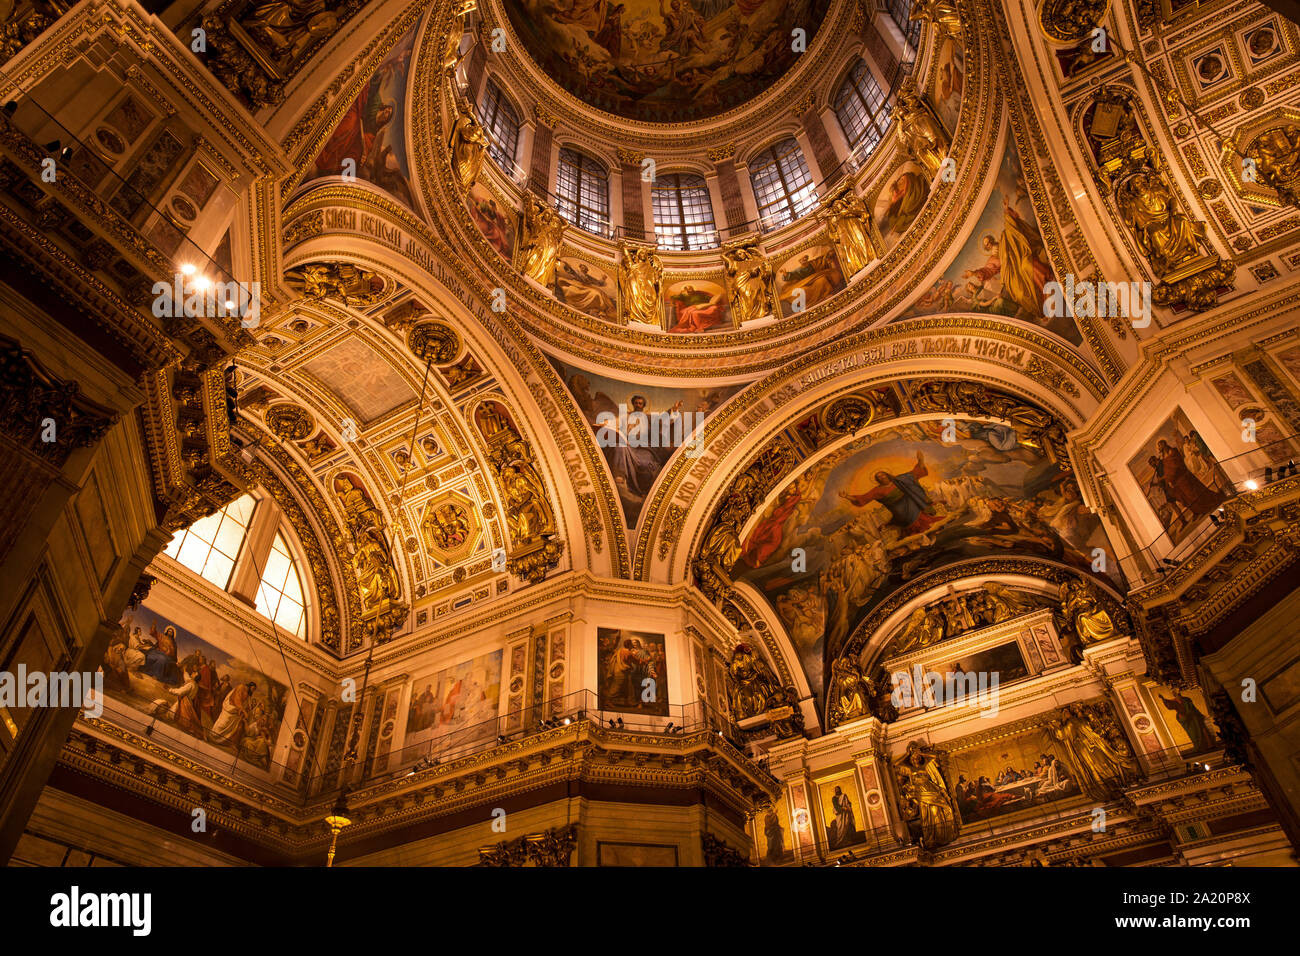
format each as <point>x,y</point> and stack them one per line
<point>920,134</point>
<point>640,284</point>
<point>542,234</point>
<point>1032,424</point>
<point>848,222</point>
<point>468,144</point>
<point>749,280</point>
<point>924,800</point>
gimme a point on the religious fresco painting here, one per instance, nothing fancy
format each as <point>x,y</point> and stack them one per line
<point>457,705</point>
<point>895,505</point>
<point>493,218</point>
<point>1233,391</point>
<point>1186,717</point>
<point>772,837</point>
<point>633,466</point>
<point>1016,772</point>
<point>696,305</point>
<point>1003,269</point>
<point>841,812</point>
<point>589,288</point>
<point>633,671</point>
<point>815,271</point>
<point>372,133</point>
<point>1179,476</point>
<point>949,81</point>
<point>900,202</point>
<point>664,60</point>
<point>173,676</point>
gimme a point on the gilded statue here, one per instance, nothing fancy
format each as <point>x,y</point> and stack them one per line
<point>1277,161</point>
<point>974,399</point>
<point>924,799</point>
<point>849,692</point>
<point>640,281</point>
<point>751,689</point>
<point>289,29</point>
<point>749,280</point>
<point>849,224</point>
<point>924,627</point>
<point>1083,612</point>
<point>942,13</point>
<point>920,134</point>
<point>1166,235</point>
<point>348,283</point>
<point>526,510</point>
<point>375,573</point>
<point>1104,767</point>
<point>451,55</point>
<point>542,234</point>
<point>468,144</point>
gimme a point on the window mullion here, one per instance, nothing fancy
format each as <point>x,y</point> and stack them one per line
<point>247,575</point>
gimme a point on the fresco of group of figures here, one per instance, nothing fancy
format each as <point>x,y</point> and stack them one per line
<point>665,60</point>
<point>173,676</point>
<point>457,705</point>
<point>1003,269</point>
<point>1181,479</point>
<point>895,505</point>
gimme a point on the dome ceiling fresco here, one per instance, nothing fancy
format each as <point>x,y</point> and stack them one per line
<point>664,61</point>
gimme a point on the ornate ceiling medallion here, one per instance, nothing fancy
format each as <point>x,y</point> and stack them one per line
<point>290,422</point>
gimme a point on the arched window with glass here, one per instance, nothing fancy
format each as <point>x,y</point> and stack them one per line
<point>901,10</point>
<point>501,120</point>
<point>862,110</point>
<point>243,549</point>
<point>582,191</point>
<point>783,188</point>
<point>683,212</point>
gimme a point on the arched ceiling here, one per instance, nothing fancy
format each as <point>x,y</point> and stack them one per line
<point>665,61</point>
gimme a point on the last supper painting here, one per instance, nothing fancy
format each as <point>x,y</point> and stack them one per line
<point>666,60</point>
<point>894,506</point>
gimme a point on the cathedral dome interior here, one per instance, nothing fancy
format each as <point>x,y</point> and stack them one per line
<point>650,433</point>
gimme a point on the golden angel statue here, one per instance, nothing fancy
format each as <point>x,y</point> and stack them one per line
<point>749,280</point>
<point>468,144</point>
<point>640,282</point>
<point>542,234</point>
<point>849,224</point>
<point>919,133</point>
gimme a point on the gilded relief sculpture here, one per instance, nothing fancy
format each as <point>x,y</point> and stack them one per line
<point>921,135</point>
<point>753,692</point>
<point>468,144</point>
<point>848,221</point>
<point>1067,23</point>
<point>749,280</point>
<point>1105,762</point>
<point>924,801</point>
<point>1132,171</point>
<point>372,561</point>
<point>640,284</point>
<point>530,520</point>
<point>849,692</point>
<point>1083,613</point>
<point>542,235</point>
<point>1276,154</point>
